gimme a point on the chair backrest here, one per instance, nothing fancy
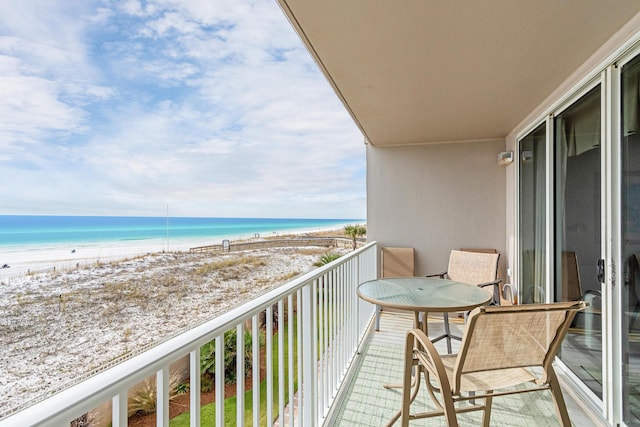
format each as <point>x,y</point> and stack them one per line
<point>473,267</point>
<point>484,251</point>
<point>571,287</point>
<point>397,262</point>
<point>503,337</point>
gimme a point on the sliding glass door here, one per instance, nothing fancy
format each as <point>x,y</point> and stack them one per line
<point>630,244</point>
<point>533,205</point>
<point>577,232</point>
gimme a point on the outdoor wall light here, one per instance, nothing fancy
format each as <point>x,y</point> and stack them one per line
<point>505,158</point>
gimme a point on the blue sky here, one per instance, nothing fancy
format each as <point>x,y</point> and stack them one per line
<point>214,108</point>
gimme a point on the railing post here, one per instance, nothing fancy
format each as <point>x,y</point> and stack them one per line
<point>269,356</point>
<point>194,388</point>
<point>326,347</point>
<point>119,409</point>
<point>334,328</point>
<point>291,350</point>
<point>309,367</point>
<point>300,351</point>
<point>240,405</point>
<point>162,390</point>
<point>219,379</point>
<point>255,370</point>
<point>281,351</point>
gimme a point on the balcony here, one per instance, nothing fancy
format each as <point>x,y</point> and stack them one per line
<point>314,344</point>
<point>366,402</point>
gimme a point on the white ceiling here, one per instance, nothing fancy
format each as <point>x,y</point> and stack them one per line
<point>421,71</point>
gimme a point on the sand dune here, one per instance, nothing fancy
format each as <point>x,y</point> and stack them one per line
<point>60,324</point>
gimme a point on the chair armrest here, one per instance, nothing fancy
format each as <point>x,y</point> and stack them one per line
<point>440,275</point>
<point>593,298</point>
<point>496,290</point>
<point>594,292</point>
<point>508,293</point>
<point>418,344</point>
<point>494,283</point>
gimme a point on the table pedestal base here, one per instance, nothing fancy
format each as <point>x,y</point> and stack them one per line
<point>447,333</point>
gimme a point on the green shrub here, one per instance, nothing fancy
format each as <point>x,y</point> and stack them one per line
<point>182,388</point>
<point>208,358</point>
<point>206,383</point>
<point>327,258</point>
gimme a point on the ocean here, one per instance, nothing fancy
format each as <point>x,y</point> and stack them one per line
<point>32,229</point>
<point>34,242</point>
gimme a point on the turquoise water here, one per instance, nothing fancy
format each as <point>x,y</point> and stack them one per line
<point>17,230</point>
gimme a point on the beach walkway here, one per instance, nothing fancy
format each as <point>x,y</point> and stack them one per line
<point>227,246</point>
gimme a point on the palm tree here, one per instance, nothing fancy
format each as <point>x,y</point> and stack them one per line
<point>326,258</point>
<point>355,231</point>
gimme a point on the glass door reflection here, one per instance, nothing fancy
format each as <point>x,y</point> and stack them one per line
<point>577,246</point>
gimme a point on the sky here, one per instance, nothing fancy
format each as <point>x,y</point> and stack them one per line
<point>208,108</point>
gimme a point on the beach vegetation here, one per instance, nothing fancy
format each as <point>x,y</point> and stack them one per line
<point>228,263</point>
<point>54,274</point>
<point>144,397</point>
<point>277,280</point>
<point>92,418</point>
<point>27,298</point>
<point>183,387</point>
<point>311,250</point>
<point>208,412</point>
<point>288,276</point>
<point>354,231</point>
<point>208,357</point>
<point>206,383</point>
<point>127,289</point>
<point>327,258</point>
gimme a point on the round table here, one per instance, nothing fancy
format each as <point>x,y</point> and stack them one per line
<point>424,295</point>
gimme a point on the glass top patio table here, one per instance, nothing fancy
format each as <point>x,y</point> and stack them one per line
<point>423,294</point>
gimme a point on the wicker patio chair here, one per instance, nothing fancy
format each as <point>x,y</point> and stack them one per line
<point>499,348</point>
<point>396,262</point>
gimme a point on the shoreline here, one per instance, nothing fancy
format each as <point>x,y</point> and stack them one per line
<point>61,257</point>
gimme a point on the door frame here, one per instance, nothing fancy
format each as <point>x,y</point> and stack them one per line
<point>608,74</point>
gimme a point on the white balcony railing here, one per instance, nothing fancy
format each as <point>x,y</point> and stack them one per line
<point>321,308</point>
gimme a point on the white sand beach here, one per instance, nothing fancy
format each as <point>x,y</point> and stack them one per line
<point>100,304</point>
<point>25,260</point>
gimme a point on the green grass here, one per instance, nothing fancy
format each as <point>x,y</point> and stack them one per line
<point>208,412</point>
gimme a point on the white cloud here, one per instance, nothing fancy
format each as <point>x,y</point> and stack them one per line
<point>214,107</point>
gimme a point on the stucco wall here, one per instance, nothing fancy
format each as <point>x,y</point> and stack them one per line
<point>435,198</point>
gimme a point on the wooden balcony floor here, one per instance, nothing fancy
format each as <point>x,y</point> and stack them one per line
<point>365,402</point>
